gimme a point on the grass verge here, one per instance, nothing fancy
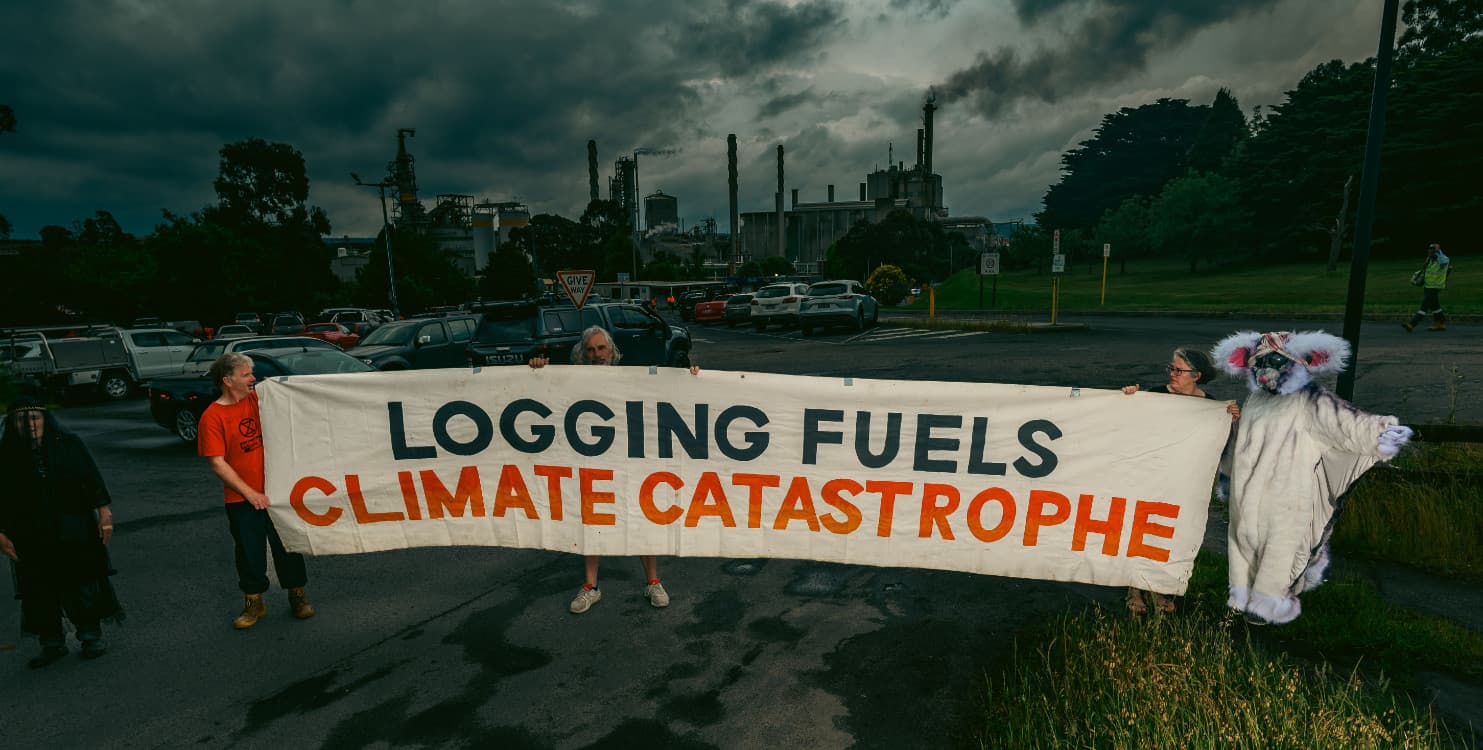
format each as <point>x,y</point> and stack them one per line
<point>1426,513</point>
<point>1203,678</point>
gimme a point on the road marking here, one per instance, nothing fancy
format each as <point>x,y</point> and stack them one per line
<point>961,334</point>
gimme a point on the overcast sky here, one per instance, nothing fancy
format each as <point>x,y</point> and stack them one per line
<point>122,106</point>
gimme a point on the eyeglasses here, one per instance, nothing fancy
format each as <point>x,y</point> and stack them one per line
<point>1172,369</point>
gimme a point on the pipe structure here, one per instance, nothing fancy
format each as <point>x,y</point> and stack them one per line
<point>731,194</point>
<point>592,169</point>
<point>782,219</point>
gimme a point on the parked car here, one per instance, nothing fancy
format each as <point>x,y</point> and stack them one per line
<point>334,333</point>
<point>777,304</point>
<point>841,302</point>
<point>192,328</point>
<point>176,403</point>
<point>157,352</point>
<point>67,360</point>
<point>357,319</point>
<point>738,309</point>
<point>511,333</point>
<point>147,321</point>
<point>418,344</point>
<point>234,331</point>
<point>249,319</point>
<point>710,311</point>
<point>285,324</point>
<point>205,353</point>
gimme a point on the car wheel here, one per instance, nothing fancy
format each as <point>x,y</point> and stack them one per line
<point>115,387</point>
<point>185,424</point>
<point>806,330</point>
<point>680,358</point>
<point>875,317</point>
<point>859,320</point>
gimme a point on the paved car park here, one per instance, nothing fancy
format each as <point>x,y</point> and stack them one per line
<point>474,646</point>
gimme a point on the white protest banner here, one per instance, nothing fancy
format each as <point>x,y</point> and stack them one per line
<point>1028,481</point>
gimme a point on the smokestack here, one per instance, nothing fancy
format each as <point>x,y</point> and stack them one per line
<point>862,191</point>
<point>794,204</point>
<point>927,109</point>
<point>592,169</point>
<point>831,193</point>
<point>731,191</point>
<point>782,219</point>
<point>920,133</point>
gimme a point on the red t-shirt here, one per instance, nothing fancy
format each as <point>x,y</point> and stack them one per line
<point>234,432</point>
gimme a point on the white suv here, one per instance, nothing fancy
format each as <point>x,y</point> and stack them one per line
<point>778,303</point>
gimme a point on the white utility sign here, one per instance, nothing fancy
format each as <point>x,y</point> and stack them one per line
<point>988,264</point>
<point>1058,263</point>
<point>577,285</point>
<point>1106,250</point>
<point>1055,242</point>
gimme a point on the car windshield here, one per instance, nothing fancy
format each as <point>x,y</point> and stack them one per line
<point>233,329</point>
<point>506,329</point>
<point>390,335</point>
<point>822,290</point>
<point>768,292</point>
<point>322,362</point>
<point>207,352</point>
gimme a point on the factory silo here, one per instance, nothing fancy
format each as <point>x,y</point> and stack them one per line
<point>661,210</point>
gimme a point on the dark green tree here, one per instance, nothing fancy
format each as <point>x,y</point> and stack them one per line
<point>1223,130</point>
<point>1127,229</point>
<point>509,274</point>
<point>425,275</point>
<point>1199,217</point>
<point>1435,26</point>
<point>775,265</point>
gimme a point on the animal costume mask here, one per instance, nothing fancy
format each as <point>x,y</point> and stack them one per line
<point>1299,448</point>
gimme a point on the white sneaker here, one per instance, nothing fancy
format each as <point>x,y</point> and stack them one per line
<point>585,599</point>
<point>658,597</point>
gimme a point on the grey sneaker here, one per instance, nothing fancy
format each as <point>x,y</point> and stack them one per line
<point>585,599</point>
<point>658,597</point>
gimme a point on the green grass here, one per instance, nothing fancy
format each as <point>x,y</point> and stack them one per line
<point>1203,678</point>
<point>1426,513</point>
<point>1164,285</point>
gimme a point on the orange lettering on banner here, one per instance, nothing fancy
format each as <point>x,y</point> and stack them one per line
<point>512,493</point>
<point>755,483</point>
<point>888,492</point>
<point>296,499</point>
<point>798,505</point>
<point>409,495</point>
<point>646,498</point>
<point>554,475</point>
<point>1035,515</point>
<point>1110,529</point>
<point>591,497</point>
<point>934,514</point>
<point>709,500</point>
<point>831,495</point>
<point>469,492</point>
<point>1006,515</point>
<point>1143,527</point>
<point>358,504</point>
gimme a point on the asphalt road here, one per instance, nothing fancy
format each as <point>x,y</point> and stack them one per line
<point>474,647</point>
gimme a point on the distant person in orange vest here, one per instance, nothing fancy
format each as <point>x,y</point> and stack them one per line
<point>1432,279</point>
<point>230,437</point>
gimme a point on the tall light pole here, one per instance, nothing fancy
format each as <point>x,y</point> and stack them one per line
<point>385,232</point>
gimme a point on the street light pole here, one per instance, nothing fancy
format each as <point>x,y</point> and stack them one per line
<point>385,232</point>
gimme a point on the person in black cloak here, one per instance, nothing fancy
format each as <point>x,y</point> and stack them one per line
<point>55,525</point>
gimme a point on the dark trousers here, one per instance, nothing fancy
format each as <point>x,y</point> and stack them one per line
<point>1431,304</point>
<point>41,615</point>
<point>252,530</point>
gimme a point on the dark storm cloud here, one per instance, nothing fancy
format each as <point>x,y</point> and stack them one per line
<point>924,8</point>
<point>1108,41</point>
<point>780,104</point>
<point>131,100</point>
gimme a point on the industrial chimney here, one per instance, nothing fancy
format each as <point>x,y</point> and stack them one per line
<point>592,169</point>
<point>782,218</point>
<point>731,193</point>
<point>927,109</point>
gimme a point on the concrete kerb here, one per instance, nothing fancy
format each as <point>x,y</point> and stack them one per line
<point>947,318</point>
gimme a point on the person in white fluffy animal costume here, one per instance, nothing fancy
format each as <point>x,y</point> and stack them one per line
<point>1298,449</point>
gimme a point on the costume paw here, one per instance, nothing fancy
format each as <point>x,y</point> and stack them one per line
<point>1393,439</point>
<point>1223,487</point>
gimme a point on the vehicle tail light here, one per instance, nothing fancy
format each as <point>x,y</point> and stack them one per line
<point>786,300</point>
<point>163,395</point>
<point>755,302</point>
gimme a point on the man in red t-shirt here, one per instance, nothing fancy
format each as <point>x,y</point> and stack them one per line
<point>230,437</point>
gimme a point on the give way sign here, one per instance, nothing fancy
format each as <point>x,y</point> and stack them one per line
<point>577,285</point>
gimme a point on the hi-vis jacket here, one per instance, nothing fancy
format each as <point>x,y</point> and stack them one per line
<point>1436,272</point>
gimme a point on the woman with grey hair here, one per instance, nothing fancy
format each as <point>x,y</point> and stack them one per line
<point>1189,368</point>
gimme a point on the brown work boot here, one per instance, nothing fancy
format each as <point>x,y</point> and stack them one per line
<point>299,604</point>
<point>252,609</point>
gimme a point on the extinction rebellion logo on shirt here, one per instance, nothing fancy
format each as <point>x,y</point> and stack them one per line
<point>252,435</point>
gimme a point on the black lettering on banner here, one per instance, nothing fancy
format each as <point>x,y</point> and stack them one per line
<point>892,444</point>
<point>1047,457</point>
<point>813,436</point>
<point>926,444</point>
<point>544,434</point>
<point>756,440</point>
<point>482,437</point>
<point>397,426</point>
<point>602,434</point>
<point>670,427</point>
<point>976,462</point>
<point>635,412</point>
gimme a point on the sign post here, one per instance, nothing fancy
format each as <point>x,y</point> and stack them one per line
<point>988,265</point>
<point>577,285</point>
<point>1106,253</point>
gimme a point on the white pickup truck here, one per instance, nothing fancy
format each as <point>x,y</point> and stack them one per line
<point>111,360</point>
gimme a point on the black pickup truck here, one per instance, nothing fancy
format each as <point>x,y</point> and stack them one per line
<point>511,333</point>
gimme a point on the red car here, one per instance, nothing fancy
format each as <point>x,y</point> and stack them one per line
<point>332,332</point>
<point>711,311</point>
